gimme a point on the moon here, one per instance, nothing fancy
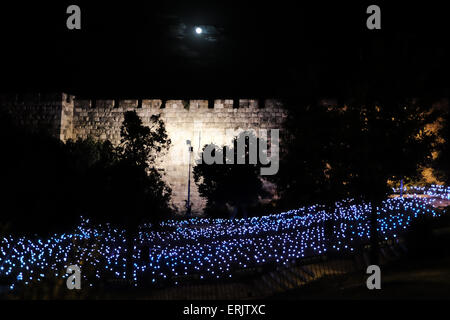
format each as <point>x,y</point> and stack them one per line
<point>198,30</point>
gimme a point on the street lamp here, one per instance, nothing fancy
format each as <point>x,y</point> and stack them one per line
<point>188,203</point>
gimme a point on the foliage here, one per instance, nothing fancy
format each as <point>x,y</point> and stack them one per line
<point>48,184</point>
<point>140,145</point>
<point>36,173</point>
<point>442,163</point>
<point>350,151</point>
<point>357,150</point>
<point>124,187</point>
<point>306,149</point>
<point>230,186</point>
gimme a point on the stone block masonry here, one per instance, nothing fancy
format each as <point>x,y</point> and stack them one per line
<point>200,121</point>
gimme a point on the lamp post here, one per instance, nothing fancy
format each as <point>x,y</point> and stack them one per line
<point>188,203</point>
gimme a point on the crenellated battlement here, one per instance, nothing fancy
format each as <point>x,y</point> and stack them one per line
<point>167,105</point>
<point>201,121</point>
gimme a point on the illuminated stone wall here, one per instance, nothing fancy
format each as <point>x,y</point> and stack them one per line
<point>195,120</point>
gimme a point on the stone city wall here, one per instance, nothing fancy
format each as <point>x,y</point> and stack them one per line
<point>200,121</point>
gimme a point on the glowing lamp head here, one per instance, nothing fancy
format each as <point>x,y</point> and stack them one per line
<point>198,30</point>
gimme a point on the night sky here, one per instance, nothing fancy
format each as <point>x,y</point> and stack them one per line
<point>150,49</point>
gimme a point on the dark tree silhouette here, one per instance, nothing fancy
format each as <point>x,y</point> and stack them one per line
<point>140,145</point>
<point>48,184</point>
<point>385,140</point>
<point>125,187</point>
<point>307,147</point>
<point>353,150</point>
<point>36,181</point>
<point>442,163</point>
<point>126,174</point>
<point>238,186</point>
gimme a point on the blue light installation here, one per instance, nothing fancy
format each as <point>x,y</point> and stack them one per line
<point>211,248</point>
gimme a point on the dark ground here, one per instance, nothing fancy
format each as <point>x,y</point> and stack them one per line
<point>406,279</point>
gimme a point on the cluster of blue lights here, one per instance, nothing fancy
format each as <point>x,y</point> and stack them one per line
<point>210,248</point>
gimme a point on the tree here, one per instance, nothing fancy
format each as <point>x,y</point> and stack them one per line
<point>139,145</point>
<point>385,141</point>
<point>308,144</point>
<point>48,184</point>
<point>230,184</point>
<point>128,176</point>
<point>139,149</point>
<point>133,185</point>
<point>355,149</point>
<point>37,185</point>
<point>94,165</point>
<point>442,162</point>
